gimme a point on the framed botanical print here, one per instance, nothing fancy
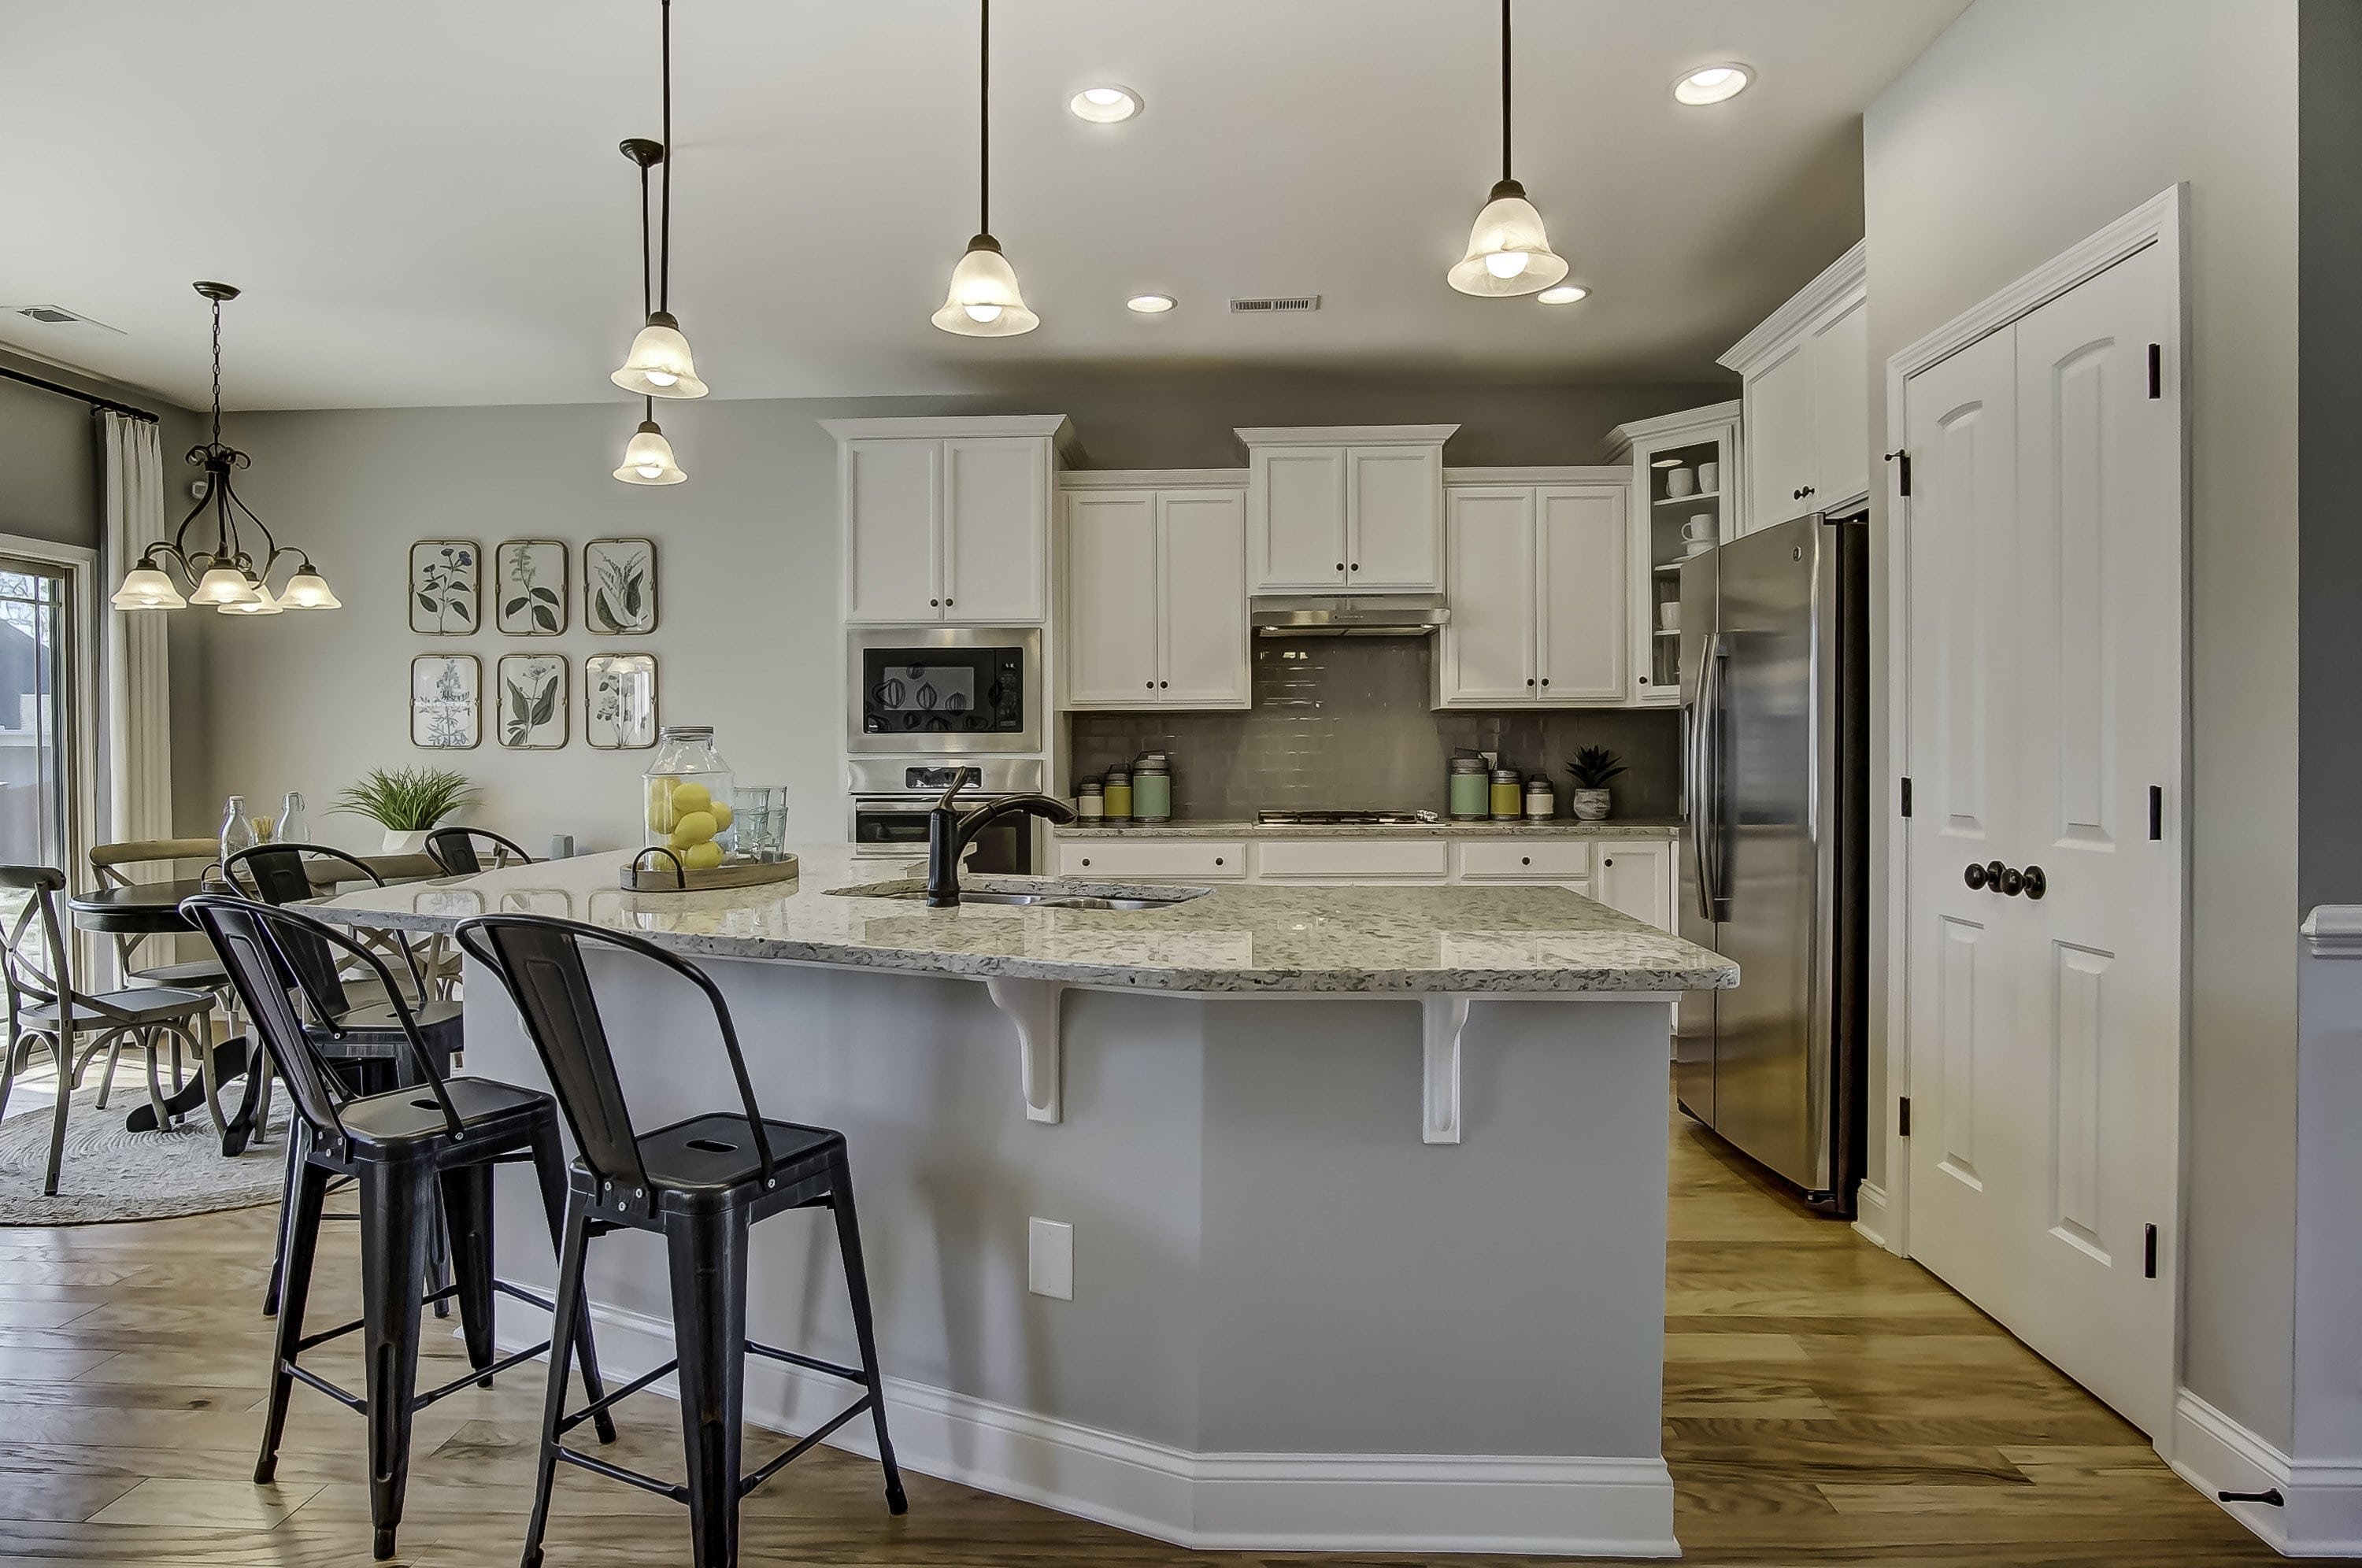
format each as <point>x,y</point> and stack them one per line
<point>446,701</point>
<point>619,585</point>
<point>620,700</point>
<point>532,715</point>
<point>529,587</point>
<point>444,587</point>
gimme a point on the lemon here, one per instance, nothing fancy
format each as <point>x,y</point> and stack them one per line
<point>702,857</point>
<point>660,807</point>
<point>689,795</point>
<point>693,828</point>
<point>721,815</point>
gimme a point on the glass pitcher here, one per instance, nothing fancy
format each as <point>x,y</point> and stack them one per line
<point>686,798</point>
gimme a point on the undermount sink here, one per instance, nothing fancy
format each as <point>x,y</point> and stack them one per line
<point>1049,898</point>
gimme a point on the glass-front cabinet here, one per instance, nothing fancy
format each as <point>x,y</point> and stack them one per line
<point>1685,491</point>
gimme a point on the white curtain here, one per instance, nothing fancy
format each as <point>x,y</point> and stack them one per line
<point>138,690</point>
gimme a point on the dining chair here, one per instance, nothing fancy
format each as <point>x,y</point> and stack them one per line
<point>36,964</point>
<point>461,850</point>
<point>108,862</point>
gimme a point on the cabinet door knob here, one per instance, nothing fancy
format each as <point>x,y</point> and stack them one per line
<point>1357,567</point>
<point>1525,860</point>
<point>1340,566</point>
<point>1087,860</point>
<point>947,603</point>
<point>1163,684</point>
<point>1610,860</point>
<point>1529,680</point>
<point>1545,680</point>
<point>1217,860</point>
<point>935,603</point>
<point>1644,680</point>
<point>1807,490</point>
<point>1150,684</point>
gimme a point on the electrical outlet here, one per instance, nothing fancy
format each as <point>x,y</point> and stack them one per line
<point>1050,1258</point>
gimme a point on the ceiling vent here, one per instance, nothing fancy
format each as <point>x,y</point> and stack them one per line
<point>57,316</point>
<point>1280,305</point>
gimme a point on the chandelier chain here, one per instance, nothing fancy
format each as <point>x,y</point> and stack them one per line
<point>216,372</point>
<point>984,125</point>
<point>1505,89</point>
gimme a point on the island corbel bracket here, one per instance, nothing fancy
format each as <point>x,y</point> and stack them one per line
<point>1033,1007</point>
<point>1440,1021</point>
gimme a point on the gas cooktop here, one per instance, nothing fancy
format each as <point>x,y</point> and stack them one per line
<point>1344,819</point>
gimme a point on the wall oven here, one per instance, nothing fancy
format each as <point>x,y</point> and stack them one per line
<point>945,688</point>
<point>891,797</point>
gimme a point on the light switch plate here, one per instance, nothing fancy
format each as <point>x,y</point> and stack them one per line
<point>1050,1258</point>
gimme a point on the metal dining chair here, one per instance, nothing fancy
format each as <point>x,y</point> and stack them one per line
<point>37,963</point>
<point>461,850</point>
<point>204,974</point>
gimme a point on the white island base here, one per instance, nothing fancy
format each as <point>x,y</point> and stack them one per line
<point>1296,1324</point>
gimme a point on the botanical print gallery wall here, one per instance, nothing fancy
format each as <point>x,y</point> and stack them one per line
<point>530,585</point>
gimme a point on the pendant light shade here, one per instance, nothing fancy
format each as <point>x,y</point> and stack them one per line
<point>307,590</point>
<point>260,604</point>
<point>145,588</point>
<point>223,585</point>
<point>648,459</point>
<point>1509,253</point>
<point>659,363</point>
<point>984,301</point>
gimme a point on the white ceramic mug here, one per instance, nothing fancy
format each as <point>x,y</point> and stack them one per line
<point>1709,478</point>
<point>1669,615</point>
<point>1680,482</point>
<point>1699,547</point>
<point>1699,527</point>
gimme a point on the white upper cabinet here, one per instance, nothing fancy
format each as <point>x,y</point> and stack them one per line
<point>1541,589</point>
<point>947,520</point>
<point>1153,611</point>
<point>1686,486</point>
<point>1806,370</point>
<point>1356,508</point>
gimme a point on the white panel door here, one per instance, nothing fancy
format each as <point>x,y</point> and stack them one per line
<point>1581,645</point>
<point>1970,1149</point>
<point>1394,500</point>
<point>1488,650</point>
<point>1840,406</point>
<point>1110,627</point>
<point>2099,712</point>
<point>1778,424</point>
<point>893,567</point>
<point>1635,877</point>
<point>996,529</point>
<point>1201,542</point>
<point>1297,527</point>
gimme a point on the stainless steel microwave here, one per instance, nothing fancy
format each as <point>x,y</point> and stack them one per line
<point>945,688</point>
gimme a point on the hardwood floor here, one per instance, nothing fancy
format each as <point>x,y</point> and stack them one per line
<point>1824,1402</point>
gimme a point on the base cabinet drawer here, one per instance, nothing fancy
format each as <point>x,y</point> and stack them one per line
<point>1526,860</point>
<point>1205,859</point>
<point>1352,860</point>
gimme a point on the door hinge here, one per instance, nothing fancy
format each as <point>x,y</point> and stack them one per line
<point>2157,370</point>
<point>1903,456</point>
<point>1906,797</point>
<point>2156,812</point>
<point>1903,1116</point>
<point>2148,1252</point>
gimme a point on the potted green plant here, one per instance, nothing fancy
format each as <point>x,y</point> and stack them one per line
<point>406,803</point>
<point>1593,766</point>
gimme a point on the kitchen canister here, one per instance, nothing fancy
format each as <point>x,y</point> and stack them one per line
<point>1469,801</point>
<point>1152,788</point>
<point>1090,799</point>
<point>1540,804</point>
<point>1118,795</point>
<point>1509,801</point>
<point>687,794</point>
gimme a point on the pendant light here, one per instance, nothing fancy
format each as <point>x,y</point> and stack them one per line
<point>659,363</point>
<point>215,563</point>
<point>984,301</point>
<point>648,456</point>
<point>1508,251</point>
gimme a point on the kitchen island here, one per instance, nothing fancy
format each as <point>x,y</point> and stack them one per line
<point>1366,1186</point>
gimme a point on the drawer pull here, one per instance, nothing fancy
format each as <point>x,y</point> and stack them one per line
<point>1525,860</point>
<point>1217,860</point>
<point>1087,860</point>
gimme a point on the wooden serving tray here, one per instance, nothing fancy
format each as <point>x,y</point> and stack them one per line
<point>655,871</point>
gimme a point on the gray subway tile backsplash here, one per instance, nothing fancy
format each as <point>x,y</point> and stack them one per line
<point>1343,724</point>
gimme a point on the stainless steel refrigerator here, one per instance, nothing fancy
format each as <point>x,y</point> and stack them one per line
<point>1773,863</point>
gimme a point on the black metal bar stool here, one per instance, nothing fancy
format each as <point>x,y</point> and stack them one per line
<point>409,1150</point>
<point>701,1184</point>
<point>460,851</point>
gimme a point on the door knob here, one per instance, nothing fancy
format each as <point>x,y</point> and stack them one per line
<point>2012,882</point>
<point>2037,883</point>
<point>1974,876</point>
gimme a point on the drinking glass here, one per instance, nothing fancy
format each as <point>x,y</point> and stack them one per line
<point>759,815</point>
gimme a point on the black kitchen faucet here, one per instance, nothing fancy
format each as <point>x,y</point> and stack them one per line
<point>949,835</point>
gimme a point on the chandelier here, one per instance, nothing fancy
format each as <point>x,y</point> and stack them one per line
<point>210,554</point>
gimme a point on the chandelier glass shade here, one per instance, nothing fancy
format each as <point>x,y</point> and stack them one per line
<point>984,301</point>
<point>222,549</point>
<point>647,458</point>
<point>1509,253</point>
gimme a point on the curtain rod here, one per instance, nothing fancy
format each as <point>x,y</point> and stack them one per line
<point>91,398</point>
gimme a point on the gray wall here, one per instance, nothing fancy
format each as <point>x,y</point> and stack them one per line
<point>748,564</point>
<point>2027,126</point>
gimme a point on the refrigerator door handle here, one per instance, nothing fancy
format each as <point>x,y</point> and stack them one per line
<point>1705,781</point>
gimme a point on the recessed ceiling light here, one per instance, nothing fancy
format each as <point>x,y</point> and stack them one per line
<point>1150,304</point>
<point>1105,105</point>
<point>1564,293</point>
<point>1713,84</point>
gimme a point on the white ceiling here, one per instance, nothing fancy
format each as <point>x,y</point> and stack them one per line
<point>425,203</point>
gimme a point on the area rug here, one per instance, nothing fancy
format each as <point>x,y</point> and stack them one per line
<point>111,1175</point>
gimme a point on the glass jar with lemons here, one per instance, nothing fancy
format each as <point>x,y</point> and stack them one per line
<point>685,793</point>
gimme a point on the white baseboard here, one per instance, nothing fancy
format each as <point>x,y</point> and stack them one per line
<point>1872,1220</point>
<point>1232,1502</point>
<point>2322,1512</point>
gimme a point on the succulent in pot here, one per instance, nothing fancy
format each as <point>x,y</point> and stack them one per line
<point>1593,766</point>
<point>406,803</point>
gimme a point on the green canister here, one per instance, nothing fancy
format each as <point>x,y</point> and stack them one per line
<point>1118,795</point>
<point>1152,788</point>
<point>1509,801</point>
<point>1471,799</point>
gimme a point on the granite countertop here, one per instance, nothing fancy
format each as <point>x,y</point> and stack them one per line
<point>1563,827</point>
<point>1263,939</point>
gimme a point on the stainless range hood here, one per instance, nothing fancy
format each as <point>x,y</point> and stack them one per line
<point>1370,615</point>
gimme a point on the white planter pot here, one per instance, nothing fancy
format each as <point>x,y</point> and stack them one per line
<point>415,843</point>
<point>1590,805</point>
